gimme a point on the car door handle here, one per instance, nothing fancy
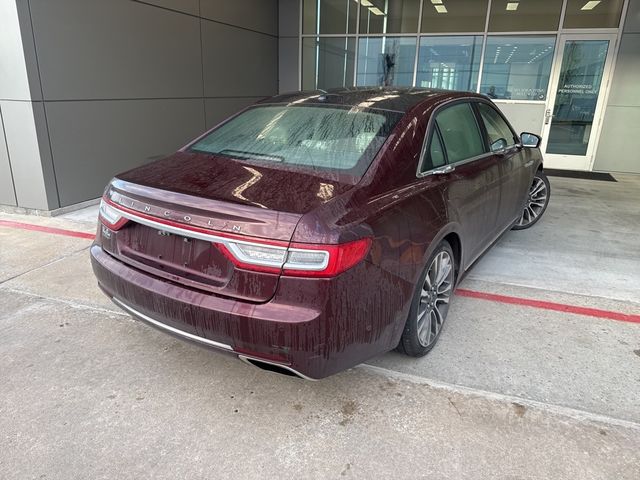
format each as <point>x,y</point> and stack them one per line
<point>443,170</point>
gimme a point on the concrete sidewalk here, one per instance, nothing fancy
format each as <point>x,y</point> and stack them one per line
<point>93,394</point>
<point>509,392</point>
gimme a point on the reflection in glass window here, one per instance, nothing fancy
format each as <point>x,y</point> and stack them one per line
<point>577,96</point>
<point>329,16</point>
<point>593,14</point>
<point>460,132</point>
<point>327,62</point>
<point>517,68</point>
<point>389,16</point>
<point>451,63</point>
<point>434,156</point>
<point>386,61</point>
<point>454,16</point>
<point>524,15</point>
<point>497,128</point>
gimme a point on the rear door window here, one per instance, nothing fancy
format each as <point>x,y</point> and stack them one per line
<point>500,134</point>
<point>434,155</point>
<point>460,132</point>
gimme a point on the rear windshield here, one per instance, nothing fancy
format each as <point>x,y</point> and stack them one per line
<point>325,138</point>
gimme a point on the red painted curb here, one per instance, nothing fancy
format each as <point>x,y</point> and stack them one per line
<point>492,297</point>
<point>558,307</point>
<point>40,228</point>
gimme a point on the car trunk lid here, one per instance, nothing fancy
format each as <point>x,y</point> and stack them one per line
<point>179,223</point>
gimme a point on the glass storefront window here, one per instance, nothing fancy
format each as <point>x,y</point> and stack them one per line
<point>451,63</point>
<point>329,16</point>
<point>447,16</point>
<point>593,14</point>
<point>327,62</point>
<point>389,16</point>
<point>386,61</point>
<point>517,68</point>
<point>524,15</point>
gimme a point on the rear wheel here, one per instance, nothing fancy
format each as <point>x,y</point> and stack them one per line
<point>430,303</point>
<point>537,201</point>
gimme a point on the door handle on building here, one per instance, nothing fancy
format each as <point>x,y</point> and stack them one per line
<point>547,116</point>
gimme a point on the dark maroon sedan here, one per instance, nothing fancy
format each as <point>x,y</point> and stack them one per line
<point>315,230</point>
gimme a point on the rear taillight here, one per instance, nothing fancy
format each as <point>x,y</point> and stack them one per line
<point>110,216</point>
<point>325,260</point>
<point>299,259</point>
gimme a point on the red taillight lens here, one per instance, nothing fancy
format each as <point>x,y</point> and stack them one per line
<point>299,259</point>
<point>341,257</point>
<point>110,216</point>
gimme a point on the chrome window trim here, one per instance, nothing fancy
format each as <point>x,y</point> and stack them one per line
<point>430,128</point>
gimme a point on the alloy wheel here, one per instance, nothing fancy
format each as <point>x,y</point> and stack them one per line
<point>536,202</point>
<point>434,298</point>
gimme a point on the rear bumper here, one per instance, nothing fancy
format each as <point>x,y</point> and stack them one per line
<point>315,332</point>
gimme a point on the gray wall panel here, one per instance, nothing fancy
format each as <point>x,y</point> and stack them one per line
<point>92,49</point>
<point>191,7</point>
<point>288,18</point>
<point>238,62</point>
<point>92,141</point>
<point>632,22</point>
<point>7,193</point>
<point>46,159</point>
<point>32,175</point>
<point>625,89</point>
<point>288,67</point>
<point>259,15</point>
<point>524,117</point>
<point>219,109</point>
<point>617,149</point>
<point>14,82</point>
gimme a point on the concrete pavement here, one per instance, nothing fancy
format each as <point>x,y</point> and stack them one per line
<point>509,391</point>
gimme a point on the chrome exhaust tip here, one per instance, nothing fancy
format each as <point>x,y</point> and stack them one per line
<point>273,367</point>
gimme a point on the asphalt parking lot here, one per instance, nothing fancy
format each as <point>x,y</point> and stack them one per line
<point>537,374</point>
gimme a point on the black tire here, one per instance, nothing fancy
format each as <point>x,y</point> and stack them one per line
<point>536,203</point>
<point>413,342</point>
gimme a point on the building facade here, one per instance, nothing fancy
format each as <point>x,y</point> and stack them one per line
<point>89,88</point>
<point>565,69</point>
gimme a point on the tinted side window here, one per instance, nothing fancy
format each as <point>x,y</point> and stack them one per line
<point>460,133</point>
<point>496,127</point>
<point>434,156</point>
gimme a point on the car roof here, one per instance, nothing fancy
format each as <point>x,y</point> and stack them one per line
<point>399,99</point>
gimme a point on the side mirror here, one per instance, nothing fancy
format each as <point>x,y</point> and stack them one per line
<point>530,140</point>
<point>499,145</point>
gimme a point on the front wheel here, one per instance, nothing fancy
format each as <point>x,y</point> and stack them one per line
<point>430,303</point>
<point>536,203</point>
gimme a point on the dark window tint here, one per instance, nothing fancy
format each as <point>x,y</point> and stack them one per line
<point>525,16</point>
<point>497,128</point>
<point>454,16</point>
<point>321,138</point>
<point>593,14</point>
<point>434,156</point>
<point>382,16</point>
<point>460,133</point>
<point>329,16</point>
